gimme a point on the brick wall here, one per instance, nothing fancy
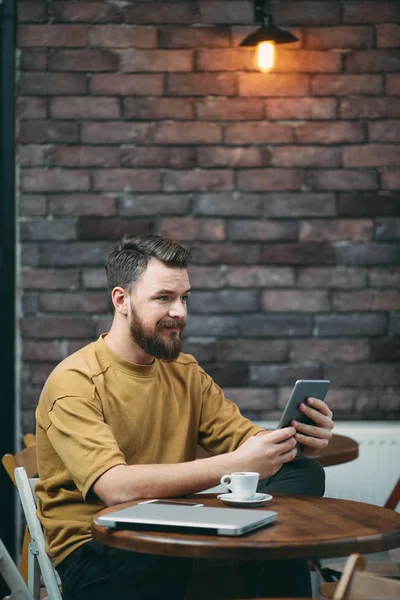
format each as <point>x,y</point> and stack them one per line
<point>148,117</point>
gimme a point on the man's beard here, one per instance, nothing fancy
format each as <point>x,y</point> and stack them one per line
<point>166,347</point>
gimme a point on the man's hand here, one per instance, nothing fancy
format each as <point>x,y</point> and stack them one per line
<point>266,452</point>
<point>314,437</point>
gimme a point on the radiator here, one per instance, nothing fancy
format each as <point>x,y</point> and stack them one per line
<point>371,477</point>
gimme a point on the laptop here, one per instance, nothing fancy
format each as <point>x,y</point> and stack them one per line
<point>167,515</point>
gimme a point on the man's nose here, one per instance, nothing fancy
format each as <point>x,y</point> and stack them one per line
<point>178,309</point>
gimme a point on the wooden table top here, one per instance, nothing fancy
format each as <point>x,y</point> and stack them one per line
<point>307,527</point>
<point>341,449</point>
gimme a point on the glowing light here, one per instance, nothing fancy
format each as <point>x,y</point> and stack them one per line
<point>265,55</point>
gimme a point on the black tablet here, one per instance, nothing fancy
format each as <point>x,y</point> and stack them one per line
<point>303,389</point>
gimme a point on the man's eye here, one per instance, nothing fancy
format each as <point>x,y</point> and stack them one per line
<point>185,298</point>
<point>163,298</point>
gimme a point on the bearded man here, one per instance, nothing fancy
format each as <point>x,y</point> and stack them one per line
<point>121,419</point>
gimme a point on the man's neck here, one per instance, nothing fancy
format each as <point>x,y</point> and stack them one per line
<point>121,343</point>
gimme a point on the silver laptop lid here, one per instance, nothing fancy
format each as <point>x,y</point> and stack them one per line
<point>193,519</point>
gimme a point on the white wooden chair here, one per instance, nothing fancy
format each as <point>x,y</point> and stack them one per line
<point>357,584</point>
<point>38,560</point>
<point>12,577</point>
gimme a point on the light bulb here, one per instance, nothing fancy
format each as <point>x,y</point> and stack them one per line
<point>265,55</point>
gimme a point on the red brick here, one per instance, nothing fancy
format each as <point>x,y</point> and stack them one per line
<point>45,84</point>
<point>75,345</point>
<point>296,300</point>
<point>262,230</point>
<point>143,205</point>
<point>38,230</point>
<point>115,132</point>
<point>52,180</point>
<point>371,61</point>
<point>29,255</point>
<point>385,350</point>
<point>301,108</point>
<point>38,351</point>
<point>57,327</point>
<point>371,155</point>
<point>90,229</point>
<point>329,132</point>
<point>193,37</point>
<point>158,156</point>
<point>86,302</point>
<point>305,253</point>
<point>50,279</point>
<point>161,12</point>
<point>388,35</point>
<point>201,84</point>
<point>187,133</point>
<point>260,277</point>
<point>393,84</point>
<point>229,109</point>
<point>273,84</point>
<point>258,133</point>
<point>33,155</point>
<point>391,180</point>
<point>94,279</point>
<point>242,59</point>
<point>384,131</point>
<point>253,399</point>
<point>85,156</point>
<point>307,13</point>
<point>222,156</point>
<point>82,204</point>
<point>327,38</point>
<point>371,11</point>
<point>189,228</point>
<point>342,350</point>
<point>227,205</point>
<point>128,36</point>
<point>87,60</point>
<point>384,277</point>
<point>357,107</point>
<point>32,11</point>
<point>103,325</point>
<point>32,205</point>
<point>305,156</point>
<point>75,254</point>
<point>343,85</point>
<point>142,84</point>
<point>307,61</point>
<point>300,204</point>
<point>343,179</point>
<point>269,179</point>
<point>366,300</point>
<point>127,180</point>
<point>218,11</point>
<point>84,108</point>
<point>159,108</point>
<point>253,350</point>
<point>85,12</point>
<point>225,254</point>
<point>336,229</point>
<point>52,35</point>
<point>31,108</point>
<point>39,131</point>
<point>387,228</point>
<point>148,61</point>
<point>367,254</point>
<point>363,374</point>
<point>32,60</point>
<point>198,180</point>
<point>207,277</point>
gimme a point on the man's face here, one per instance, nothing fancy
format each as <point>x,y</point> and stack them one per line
<point>158,308</point>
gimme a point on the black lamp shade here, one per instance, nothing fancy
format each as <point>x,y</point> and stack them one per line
<point>268,34</point>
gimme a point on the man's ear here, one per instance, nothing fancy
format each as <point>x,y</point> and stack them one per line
<point>120,300</point>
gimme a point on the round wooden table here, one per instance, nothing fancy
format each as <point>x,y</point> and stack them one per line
<point>341,449</point>
<point>307,527</point>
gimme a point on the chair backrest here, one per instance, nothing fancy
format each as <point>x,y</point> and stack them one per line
<point>394,497</point>
<point>37,550</point>
<point>12,577</point>
<point>25,458</point>
<point>355,584</point>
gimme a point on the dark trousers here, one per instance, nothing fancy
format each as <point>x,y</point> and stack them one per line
<point>98,572</point>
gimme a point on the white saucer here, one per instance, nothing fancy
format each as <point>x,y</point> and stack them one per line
<point>258,499</point>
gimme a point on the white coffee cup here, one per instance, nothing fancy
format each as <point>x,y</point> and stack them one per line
<point>242,484</point>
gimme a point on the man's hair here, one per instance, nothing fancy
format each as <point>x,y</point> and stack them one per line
<point>125,265</point>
